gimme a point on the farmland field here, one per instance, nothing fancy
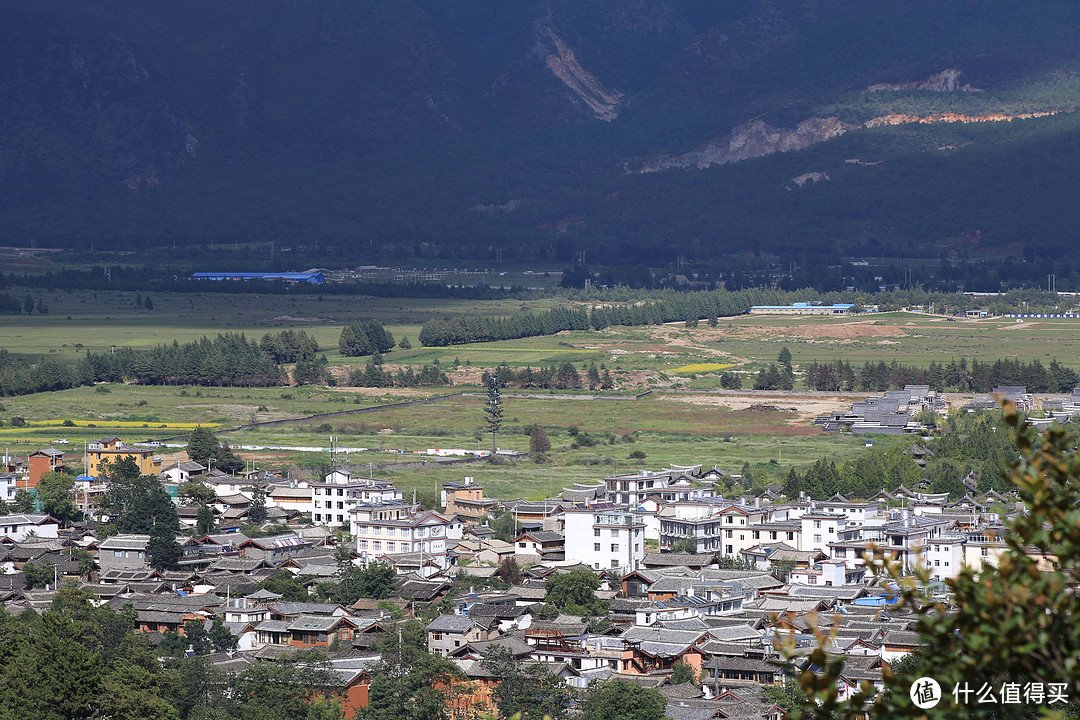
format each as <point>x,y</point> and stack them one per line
<point>710,427</point>
<point>97,321</point>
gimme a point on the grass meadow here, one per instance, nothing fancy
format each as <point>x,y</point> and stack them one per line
<point>661,426</point>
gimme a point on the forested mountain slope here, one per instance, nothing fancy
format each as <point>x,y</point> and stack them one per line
<point>636,130</point>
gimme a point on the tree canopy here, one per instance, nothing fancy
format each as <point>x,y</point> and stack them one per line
<point>623,700</point>
<point>575,593</point>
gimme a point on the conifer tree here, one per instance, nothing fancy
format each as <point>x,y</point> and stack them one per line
<point>493,410</point>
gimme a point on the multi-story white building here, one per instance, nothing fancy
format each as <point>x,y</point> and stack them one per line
<point>788,532</point>
<point>944,555</point>
<point>821,528</point>
<point>333,500</point>
<point>984,547</point>
<point>904,540</point>
<point>8,484</point>
<point>603,537</point>
<point>396,527</point>
<point>713,526</point>
<point>857,513</point>
<point>667,485</point>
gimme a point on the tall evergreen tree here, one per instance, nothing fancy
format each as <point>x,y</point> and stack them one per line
<point>493,410</point>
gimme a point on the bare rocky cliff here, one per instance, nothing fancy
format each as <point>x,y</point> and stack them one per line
<point>602,101</point>
<point>946,81</point>
<point>548,84</point>
<point>757,139</point>
<point>749,140</point>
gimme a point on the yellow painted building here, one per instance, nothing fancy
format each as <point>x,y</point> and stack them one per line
<point>113,449</point>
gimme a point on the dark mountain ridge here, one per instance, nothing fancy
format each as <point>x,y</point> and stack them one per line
<point>434,128</point>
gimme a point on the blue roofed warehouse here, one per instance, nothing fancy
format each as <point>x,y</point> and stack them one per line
<point>315,278</point>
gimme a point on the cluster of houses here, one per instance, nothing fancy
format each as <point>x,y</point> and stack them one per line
<point>689,576</point>
<point>893,413</point>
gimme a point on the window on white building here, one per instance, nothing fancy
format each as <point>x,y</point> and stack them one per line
<point>596,547</point>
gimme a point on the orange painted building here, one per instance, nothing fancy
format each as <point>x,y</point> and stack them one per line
<point>112,449</point>
<point>475,695</point>
<point>356,694</point>
<point>41,462</point>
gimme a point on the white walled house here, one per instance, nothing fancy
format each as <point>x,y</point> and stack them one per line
<point>297,497</point>
<point>828,573</point>
<point>905,541</point>
<point>714,527</point>
<point>944,556</point>
<point>534,545</point>
<point>787,532</point>
<point>183,471</point>
<point>8,483</point>
<point>18,527</point>
<point>667,485</point>
<point>984,547</point>
<point>604,538</point>
<point>821,528</point>
<point>227,485</point>
<point>333,501</point>
<point>389,528</point>
<point>857,513</point>
<point>455,528</point>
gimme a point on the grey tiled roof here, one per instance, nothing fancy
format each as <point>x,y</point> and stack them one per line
<point>451,624</point>
<point>125,542</point>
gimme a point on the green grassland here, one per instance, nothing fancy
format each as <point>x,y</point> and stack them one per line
<point>153,405</point>
<point>909,338</point>
<point>81,321</point>
<point>667,428</point>
<point>664,428</point>
<point>97,321</point>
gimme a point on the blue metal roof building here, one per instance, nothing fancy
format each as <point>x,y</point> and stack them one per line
<point>315,278</point>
